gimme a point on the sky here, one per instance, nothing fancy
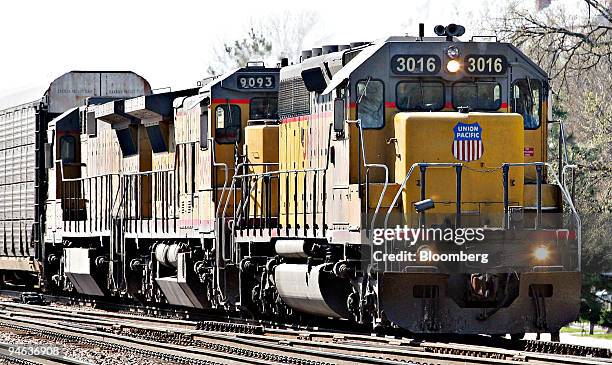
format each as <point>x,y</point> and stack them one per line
<point>171,43</point>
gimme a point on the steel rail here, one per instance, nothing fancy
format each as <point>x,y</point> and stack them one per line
<point>417,350</point>
<point>435,343</point>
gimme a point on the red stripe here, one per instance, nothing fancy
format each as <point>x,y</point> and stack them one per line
<point>448,105</point>
<point>388,104</point>
<point>504,105</point>
<point>231,101</point>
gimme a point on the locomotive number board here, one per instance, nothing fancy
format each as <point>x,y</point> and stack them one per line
<point>256,81</point>
<point>402,64</point>
<point>485,64</point>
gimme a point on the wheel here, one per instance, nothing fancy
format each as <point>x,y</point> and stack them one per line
<point>515,337</point>
<point>555,336</point>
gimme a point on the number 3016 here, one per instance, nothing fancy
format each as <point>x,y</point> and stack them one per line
<point>415,64</point>
<point>494,65</point>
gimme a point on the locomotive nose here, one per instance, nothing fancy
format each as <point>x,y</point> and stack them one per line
<point>476,140</point>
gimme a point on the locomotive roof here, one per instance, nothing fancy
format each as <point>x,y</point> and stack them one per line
<point>210,83</point>
<point>226,81</point>
<point>339,72</point>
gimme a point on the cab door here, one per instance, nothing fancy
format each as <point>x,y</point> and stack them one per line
<point>527,99</point>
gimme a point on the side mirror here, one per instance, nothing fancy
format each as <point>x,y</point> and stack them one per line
<point>339,115</point>
<point>204,131</point>
<point>49,163</point>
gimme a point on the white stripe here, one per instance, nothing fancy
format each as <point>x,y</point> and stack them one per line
<point>473,146</point>
<point>471,150</point>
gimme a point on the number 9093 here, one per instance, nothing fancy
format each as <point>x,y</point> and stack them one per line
<point>256,82</point>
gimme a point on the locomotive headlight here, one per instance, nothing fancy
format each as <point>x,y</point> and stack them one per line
<point>541,253</point>
<point>453,66</point>
<point>452,52</point>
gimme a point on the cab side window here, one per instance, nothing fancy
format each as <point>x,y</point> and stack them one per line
<point>527,101</point>
<point>68,149</point>
<point>227,125</point>
<point>371,103</point>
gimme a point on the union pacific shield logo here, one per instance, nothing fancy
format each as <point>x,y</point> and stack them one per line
<point>467,142</point>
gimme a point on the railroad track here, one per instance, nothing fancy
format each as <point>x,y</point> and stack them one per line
<point>221,322</point>
<point>274,345</point>
<point>313,333</point>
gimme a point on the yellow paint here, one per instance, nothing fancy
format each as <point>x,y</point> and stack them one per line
<point>428,137</point>
<point>550,196</point>
<point>262,151</point>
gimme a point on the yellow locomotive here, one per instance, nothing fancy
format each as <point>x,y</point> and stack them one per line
<point>413,191</point>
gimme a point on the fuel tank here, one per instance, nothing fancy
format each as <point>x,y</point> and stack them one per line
<point>312,289</point>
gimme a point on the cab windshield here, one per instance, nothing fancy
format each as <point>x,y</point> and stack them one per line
<point>419,96</point>
<point>483,96</point>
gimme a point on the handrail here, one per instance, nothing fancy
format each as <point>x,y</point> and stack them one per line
<point>118,196</point>
<point>368,166</point>
<point>567,167</point>
<point>257,177</point>
<point>225,173</point>
<point>403,185</point>
<point>237,176</point>
<point>556,180</point>
<point>61,163</point>
<point>280,172</point>
<point>562,134</point>
<point>574,211</point>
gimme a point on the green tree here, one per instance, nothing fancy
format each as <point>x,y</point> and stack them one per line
<point>574,45</point>
<point>593,307</point>
<point>606,320</point>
